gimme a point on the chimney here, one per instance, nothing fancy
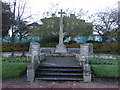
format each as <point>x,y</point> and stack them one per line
<point>72,15</point>
<point>53,14</point>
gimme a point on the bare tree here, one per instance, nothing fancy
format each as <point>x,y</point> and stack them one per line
<point>105,21</point>
<point>52,10</point>
<point>81,13</point>
<point>19,7</point>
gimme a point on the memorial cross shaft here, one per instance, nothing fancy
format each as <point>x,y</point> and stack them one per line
<point>61,35</point>
<point>61,48</point>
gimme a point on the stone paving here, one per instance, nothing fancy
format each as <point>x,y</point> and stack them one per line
<point>60,61</point>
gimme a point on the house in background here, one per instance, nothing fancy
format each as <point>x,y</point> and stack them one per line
<point>71,24</point>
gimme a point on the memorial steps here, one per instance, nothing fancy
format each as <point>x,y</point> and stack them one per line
<point>58,73</point>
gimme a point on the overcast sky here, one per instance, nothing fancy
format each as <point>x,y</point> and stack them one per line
<point>40,6</point>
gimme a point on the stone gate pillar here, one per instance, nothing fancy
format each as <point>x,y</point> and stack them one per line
<point>35,52</point>
<point>86,49</point>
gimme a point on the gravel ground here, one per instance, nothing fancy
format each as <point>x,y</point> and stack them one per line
<point>22,83</point>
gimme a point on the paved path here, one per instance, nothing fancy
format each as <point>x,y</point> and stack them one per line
<point>22,83</point>
<point>60,61</point>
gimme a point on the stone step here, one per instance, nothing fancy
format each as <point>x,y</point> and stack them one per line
<point>60,79</point>
<point>58,69</point>
<point>53,66</point>
<point>59,74</point>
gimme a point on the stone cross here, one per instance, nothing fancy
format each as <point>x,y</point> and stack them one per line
<point>61,47</point>
<point>61,35</point>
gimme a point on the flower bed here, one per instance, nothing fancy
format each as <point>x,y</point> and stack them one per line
<point>16,59</point>
<point>106,48</point>
<point>99,61</point>
<point>61,54</point>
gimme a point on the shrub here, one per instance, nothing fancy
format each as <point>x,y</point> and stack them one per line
<point>14,47</point>
<point>73,45</point>
<point>97,47</point>
<point>6,46</point>
<point>25,46</point>
<point>72,41</point>
<point>52,44</point>
<point>106,47</point>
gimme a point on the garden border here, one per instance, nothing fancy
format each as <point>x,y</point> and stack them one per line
<point>50,50</point>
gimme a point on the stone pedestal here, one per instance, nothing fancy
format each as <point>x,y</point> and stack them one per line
<point>35,52</point>
<point>61,48</point>
<point>86,49</point>
<point>87,73</point>
<point>34,48</point>
<point>30,73</point>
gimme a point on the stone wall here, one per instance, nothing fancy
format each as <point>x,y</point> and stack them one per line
<point>95,55</point>
<point>36,59</point>
<point>86,49</point>
<point>105,56</point>
<point>51,50</point>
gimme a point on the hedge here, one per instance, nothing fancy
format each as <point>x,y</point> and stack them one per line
<point>52,44</point>
<point>68,45</point>
<point>14,47</point>
<point>73,45</point>
<point>97,47</point>
<point>107,47</point>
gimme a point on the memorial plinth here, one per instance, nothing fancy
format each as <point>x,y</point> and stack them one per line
<point>61,48</point>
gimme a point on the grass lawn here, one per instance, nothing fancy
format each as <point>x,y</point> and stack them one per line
<point>102,70</point>
<point>13,69</point>
<point>105,70</point>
